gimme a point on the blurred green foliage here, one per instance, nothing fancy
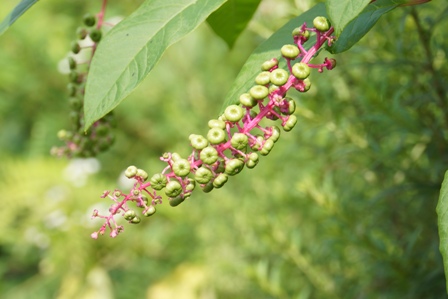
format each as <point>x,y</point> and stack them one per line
<point>343,207</point>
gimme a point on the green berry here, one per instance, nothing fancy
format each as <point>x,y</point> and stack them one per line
<point>321,23</point>
<point>209,155</point>
<point>252,161</point>
<point>71,63</point>
<point>259,92</point>
<point>263,78</point>
<point>216,123</point>
<point>191,185</point>
<point>267,147</point>
<point>275,133</point>
<point>181,167</point>
<point>279,76</point>
<point>158,181</point>
<point>216,136</point>
<point>301,70</point>
<point>75,103</point>
<point>220,180</point>
<point>291,107</point>
<point>131,171</point>
<point>176,201</point>
<point>208,187</point>
<point>290,123</point>
<point>306,85</point>
<point>129,215</point>
<point>234,166</point>
<point>142,174</point>
<point>136,220</point>
<point>89,20</point>
<point>290,51</point>
<point>150,211</point>
<point>305,35</point>
<point>173,188</point>
<point>257,144</point>
<point>76,48</point>
<point>203,175</point>
<point>234,113</point>
<point>144,199</point>
<point>72,89</point>
<point>81,33</point>
<point>198,141</point>
<point>269,64</point>
<point>239,141</point>
<point>74,77</point>
<point>247,101</point>
<point>95,35</point>
<point>175,157</point>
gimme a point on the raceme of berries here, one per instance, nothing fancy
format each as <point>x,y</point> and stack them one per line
<point>99,137</point>
<point>234,141</point>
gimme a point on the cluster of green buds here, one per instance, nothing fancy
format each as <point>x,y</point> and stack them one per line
<point>234,141</point>
<point>99,137</point>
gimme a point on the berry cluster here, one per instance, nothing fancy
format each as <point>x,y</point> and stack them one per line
<point>99,137</point>
<point>234,140</point>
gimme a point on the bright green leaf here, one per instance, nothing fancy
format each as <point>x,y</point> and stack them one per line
<point>357,28</point>
<point>230,19</point>
<point>133,47</point>
<point>442,219</point>
<point>19,10</point>
<point>341,12</point>
<point>267,50</point>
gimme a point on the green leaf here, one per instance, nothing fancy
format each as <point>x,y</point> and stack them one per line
<point>230,19</point>
<point>442,220</point>
<point>341,12</point>
<point>19,10</point>
<point>133,47</point>
<point>267,50</point>
<point>357,28</point>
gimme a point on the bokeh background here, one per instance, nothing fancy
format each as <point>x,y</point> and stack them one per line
<point>343,207</point>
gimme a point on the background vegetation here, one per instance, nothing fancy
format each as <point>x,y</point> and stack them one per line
<point>344,207</point>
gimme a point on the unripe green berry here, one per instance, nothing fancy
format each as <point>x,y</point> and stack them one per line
<point>181,167</point>
<point>142,174</point>
<point>75,103</point>
<point>176,201</point>
<point>275,133</point>
<point>129,215</point>
<point>175,157</point>
<point>216,136</point>
<point>306,84</point>
<point>305,35</point>
<point>239,141</point>
<point>259,92</point>
<point>158,181</point>
<point>81,33</point>
<point>203,175</point>
<point>173,188</point>
<point>131,171</point>
<point>247,101</point>
<point>72,89</point>
<point>76,48</point>
<point>150,211</point>
<point>279,77</point>
<point>257,144</point>
<point>291,107</point>
<point>71,63</point>
<point>269,64</point>
<point>208,187</point>
<point>252,161</point>
<point>290,123</point>
<point>89,20</point>
<point>209,155</point>
<point>216,123</point>
<point>263,78</point>
<point>234,113</point>
<point>290,51</point>
<point>321,23</point>
<point>301,70</point>
<point>267,147</point>
<point>198,141</point>
<point>220,180</point>
<point>95,35</point>
<point>74,76</point>
<point>191,185</point>
<point>273,88</point>
<point>234,166</point>
<point>136,220</point>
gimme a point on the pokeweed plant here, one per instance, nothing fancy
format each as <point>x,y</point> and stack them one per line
<point>235,139</point>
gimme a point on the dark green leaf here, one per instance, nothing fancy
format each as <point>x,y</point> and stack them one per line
<point>442,220</point>
<point>230,19</point>
<point>19,10</point>
<point>267,50</point>
<point>133,47</point>
<point>341,12</point>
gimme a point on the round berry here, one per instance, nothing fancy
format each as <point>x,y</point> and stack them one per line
<point>142,174</point>
<point>158,181</point>
<point>234,166</point>
<point>290,51</point>
<point>301,70</point>
<point>279,77</point>
<point>259,92</point>
<point>175,157</point>
<point>74,77</point>
<point>239,141</point>
<point>129,215</point>
<point>198,141</point>
<point>216,136</point>
<point>181,167</point>
<point>203,175</point>
<point>247,101</point>
<point>131,171</point>
<point>135,220</point>
<point>263,78</point>
<point>234,113</point>
<point>76,48</point>
<point>216,123</point>
<point>208,187</point>
<point>290,123</point>
<point>150,211</point>
<point>269,64</point>
<point>306,85</point>
<point>303,35</point>
<point>267,147</point>
<point>89,20</point>
<point>176,201</point>
<point>75,103</point>
<point>321,23</point>
<point>291,107</point>
<point>257,144</point>
<point>95,35</point>
<point>72,63</point>
<point>173,188</point>
<point>81,33</point>
<point>220,180</point>
<point>209,155</point>
<point>191,185</point>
